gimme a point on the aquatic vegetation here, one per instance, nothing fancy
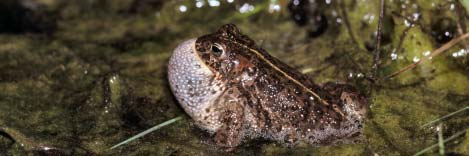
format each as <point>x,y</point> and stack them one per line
<point>96,72</point>
<point>147,131</point>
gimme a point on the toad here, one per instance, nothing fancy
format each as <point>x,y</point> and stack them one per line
<point>236,91</point>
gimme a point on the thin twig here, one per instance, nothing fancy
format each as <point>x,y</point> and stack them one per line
<point>401,39</point>
<point>429,57</point>
<point>347,24</point>
<point>404,32</point>
<point>378,41</point>
<point>461,16</point>
<point>461,13</point>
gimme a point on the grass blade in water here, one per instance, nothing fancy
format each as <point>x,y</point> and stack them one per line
<point>446,116</point>
<point>147,131</point>
<point>441,142</point>
<point>437,144</point>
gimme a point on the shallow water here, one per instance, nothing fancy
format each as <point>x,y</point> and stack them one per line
<point>80,76</point>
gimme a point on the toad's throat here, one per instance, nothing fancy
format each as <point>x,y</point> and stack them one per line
<point>191,81</point>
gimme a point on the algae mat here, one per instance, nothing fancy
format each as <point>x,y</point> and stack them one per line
<point>77,77</point>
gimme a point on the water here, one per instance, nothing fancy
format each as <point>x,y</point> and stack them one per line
<point>80,76</point>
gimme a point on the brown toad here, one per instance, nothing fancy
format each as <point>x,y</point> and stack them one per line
<point>235,90</point>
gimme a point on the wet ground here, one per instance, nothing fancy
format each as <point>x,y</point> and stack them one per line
<point>77,77</point>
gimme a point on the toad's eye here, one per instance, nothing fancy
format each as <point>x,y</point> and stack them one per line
<point>216,49</point>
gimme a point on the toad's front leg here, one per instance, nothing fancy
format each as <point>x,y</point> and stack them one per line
<point>231,133</point>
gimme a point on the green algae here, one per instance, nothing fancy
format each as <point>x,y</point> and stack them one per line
<point>101,76</point>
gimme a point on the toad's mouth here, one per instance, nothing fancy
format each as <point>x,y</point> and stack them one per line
<point>191,81</point>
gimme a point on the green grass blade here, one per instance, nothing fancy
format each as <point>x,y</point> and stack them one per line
<point>441,143</point>
<point>147,131</point>
<point>446,116</point>
<point>444,141</point>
